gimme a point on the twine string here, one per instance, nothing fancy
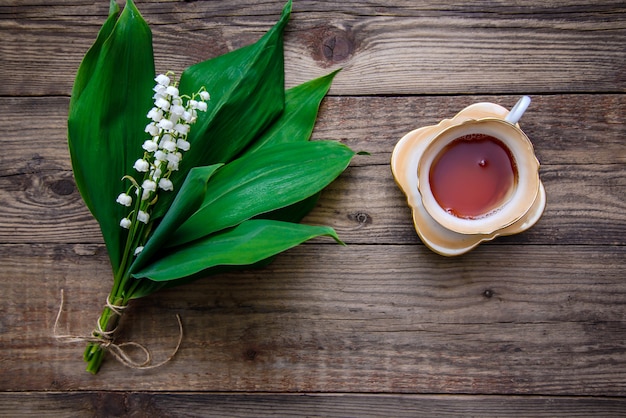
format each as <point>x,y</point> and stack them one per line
<point>106,340</point>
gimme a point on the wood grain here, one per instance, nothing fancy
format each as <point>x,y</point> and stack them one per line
<point>56,404</point>
<point>505,319</point>
<point>562,132</point>
<point>400,48</point>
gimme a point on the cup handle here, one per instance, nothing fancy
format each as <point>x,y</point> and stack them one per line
<point>518,110</point>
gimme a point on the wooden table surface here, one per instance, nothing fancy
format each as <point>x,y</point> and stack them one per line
<point>532,324</point>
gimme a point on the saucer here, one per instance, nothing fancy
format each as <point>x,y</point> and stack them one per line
<point>438,238</point>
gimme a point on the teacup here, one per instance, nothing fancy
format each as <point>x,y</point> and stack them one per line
<point>471,178</point>
<point>478,176</point>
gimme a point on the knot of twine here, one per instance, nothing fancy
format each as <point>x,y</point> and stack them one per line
<point>106,339</point>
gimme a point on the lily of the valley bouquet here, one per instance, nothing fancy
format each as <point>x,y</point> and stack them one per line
<point>196,175</point>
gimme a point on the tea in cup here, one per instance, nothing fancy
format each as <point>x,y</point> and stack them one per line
<point>475,178</point>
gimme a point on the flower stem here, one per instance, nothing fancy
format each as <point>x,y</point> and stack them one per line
<point>94,352</point>
<point>119,297</point>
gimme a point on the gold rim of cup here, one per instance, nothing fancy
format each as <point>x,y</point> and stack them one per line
<point>512,209</point>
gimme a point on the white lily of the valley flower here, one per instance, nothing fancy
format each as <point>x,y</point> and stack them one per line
<point>186,116</point>
<point>162,103</point>
<point>156,174</point>
<point>181,129</point>
<point>148,187</point>
<point>202,106</point>
<point>160,156</point>
<point>177,110</point>
<point>152,129</point>
<point>141,166</point>
<point>172,91</point>
<point>162,79</point>
<point>138,250</point>
<point>124,199</point>
<point>150,146</point>
<point>155,114</point>
<point>159,91</point>
<point>172,161</point>
<point>165,124</point>
<point>183,145</point>
<point>143,216</point>
<point>166,184</point>
<point>204,95</point>
<point>168,145</point>
<point>125,223</point>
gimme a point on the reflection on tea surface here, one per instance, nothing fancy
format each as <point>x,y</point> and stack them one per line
<point>473,176</point>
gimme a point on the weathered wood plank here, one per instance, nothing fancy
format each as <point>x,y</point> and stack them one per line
<point>58,404</point>
<point>563,131</point>
<point>400,48</point>
<point>500,320</point>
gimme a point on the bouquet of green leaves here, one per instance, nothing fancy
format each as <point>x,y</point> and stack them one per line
<point>197,176</point>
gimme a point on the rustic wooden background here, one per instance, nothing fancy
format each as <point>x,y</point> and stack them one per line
<point>533,324</point>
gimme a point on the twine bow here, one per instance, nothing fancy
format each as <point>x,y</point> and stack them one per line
<point>106,340</point>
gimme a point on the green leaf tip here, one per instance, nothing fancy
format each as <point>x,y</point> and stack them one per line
<point>114,8</point>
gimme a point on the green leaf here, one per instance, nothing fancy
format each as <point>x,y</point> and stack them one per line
<point>293,213</point>
<point>297,121</point>
<point>272,178</point>
<point>151,286</point>
<point>187,201</point>
<point>295,124</point>
<point>88,65</point>
<point>107,116</point>
<point>248,243</point>
<point>247,94</point>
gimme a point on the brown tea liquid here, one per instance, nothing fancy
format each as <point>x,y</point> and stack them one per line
<point>473,176</point>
